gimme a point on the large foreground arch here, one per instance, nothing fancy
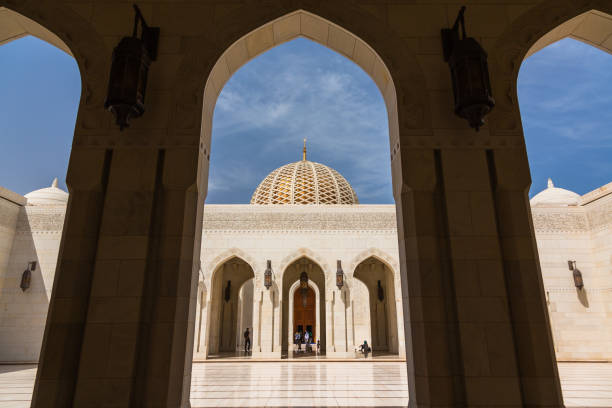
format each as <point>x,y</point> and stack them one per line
<point>123,307</point>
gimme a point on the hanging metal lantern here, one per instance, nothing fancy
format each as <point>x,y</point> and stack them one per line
<point>304,287</point>
<point>469,73</point>
<point>129,70</point>
<point>304,281</point>
<point>578,282</point>
<point>339,275</point>
<point>228,290</point>
<point>268,275</point>
<point>381,292</point>
<point>26,276</point>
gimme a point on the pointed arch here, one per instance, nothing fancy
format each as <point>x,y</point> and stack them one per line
<point>303,253</point>
<point>62,27</point>
<point>226,255</point>
<point>350,31</point>
<point>544,24</point>
<point>382,256</point>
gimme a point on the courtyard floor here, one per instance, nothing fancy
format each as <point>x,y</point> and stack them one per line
<point>316,383</point>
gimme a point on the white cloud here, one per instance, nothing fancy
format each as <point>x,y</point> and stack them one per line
<point>280,100</point>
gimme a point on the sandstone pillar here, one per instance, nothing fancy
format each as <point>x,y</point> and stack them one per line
<point>475,318</point>
<point>121,317</point>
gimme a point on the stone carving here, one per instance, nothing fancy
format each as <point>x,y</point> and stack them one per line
<point>559,221</point>
<point>299,221</point>
<point>41,220</point>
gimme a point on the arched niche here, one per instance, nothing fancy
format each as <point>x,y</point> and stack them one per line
<point>291,324</point>
<point>224,316</point>
<point>379,280</point>
<point>290,280</point>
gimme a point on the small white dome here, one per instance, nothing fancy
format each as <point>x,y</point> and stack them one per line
<point>48,196</point>
<point>555,196</point>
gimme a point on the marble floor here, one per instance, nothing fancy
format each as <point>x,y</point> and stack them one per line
<point>317,383</point>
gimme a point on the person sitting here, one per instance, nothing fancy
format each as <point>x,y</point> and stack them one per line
<point>364,348</point>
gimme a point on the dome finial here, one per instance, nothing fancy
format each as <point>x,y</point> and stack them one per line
<point>54,183</point>
<point>550,183</point>
<point>304,151</point>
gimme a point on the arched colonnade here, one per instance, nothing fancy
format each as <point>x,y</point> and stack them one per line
<point>443,175</point>
<point>342,319</point>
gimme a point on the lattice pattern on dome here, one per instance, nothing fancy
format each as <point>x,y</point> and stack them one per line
<point>304,182</point>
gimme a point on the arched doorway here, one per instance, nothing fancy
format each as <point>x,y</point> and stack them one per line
<point>380,283</point>
<point>231,307</point>
<point>295,311</point>
<point>304,312</point>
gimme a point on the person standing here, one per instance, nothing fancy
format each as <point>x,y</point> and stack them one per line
<point>247,340</point>
<point>307,340</point>
<point>296,339</point>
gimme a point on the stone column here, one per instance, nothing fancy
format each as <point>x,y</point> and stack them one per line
<point>537,365</point>
<point>121,316</point>
<point>470,339</point>
<point>256,340</point>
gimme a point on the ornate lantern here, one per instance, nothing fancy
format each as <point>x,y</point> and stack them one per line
<point>228,291</point>
<point>469,73</point>
<point>26,276</point>
<point>268,275</point>
<point>578,282</point>
<point>304,287</point>
<point>381,292</point>
<point>128,77</point>
<point>339,275</point>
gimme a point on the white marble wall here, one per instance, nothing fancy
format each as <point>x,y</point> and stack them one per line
<point>322,234</point>
<point>23,313</point>
<point>10,204</point>
<point>581,320</point>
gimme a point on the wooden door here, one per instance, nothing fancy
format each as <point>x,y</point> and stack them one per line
<point>304,313</point>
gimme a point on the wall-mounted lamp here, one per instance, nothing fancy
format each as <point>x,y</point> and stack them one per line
<point>128,76</point>
<point>339,275</point>
<point>578,282</point>
<point>268,275</point>
<point>469,73</point>
<point>304,287</point>
<point>26,276</point>
<point>381,292</point>
<point>228,291</point>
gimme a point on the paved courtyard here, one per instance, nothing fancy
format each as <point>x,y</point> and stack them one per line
<point>309,383</point>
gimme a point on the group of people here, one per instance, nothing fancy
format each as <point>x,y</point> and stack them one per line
<point>307,339</point>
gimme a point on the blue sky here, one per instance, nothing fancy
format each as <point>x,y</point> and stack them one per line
<point>565,97</point>
<point>303,90</point>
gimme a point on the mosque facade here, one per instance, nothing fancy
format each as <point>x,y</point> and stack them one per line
<point>305,256</point>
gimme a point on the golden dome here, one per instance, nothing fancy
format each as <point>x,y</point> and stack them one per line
<point>304,182</point>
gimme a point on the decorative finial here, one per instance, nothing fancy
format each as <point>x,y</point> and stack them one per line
<point>550,183</point>
<point>54,184</point>
<point>304,151</point>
